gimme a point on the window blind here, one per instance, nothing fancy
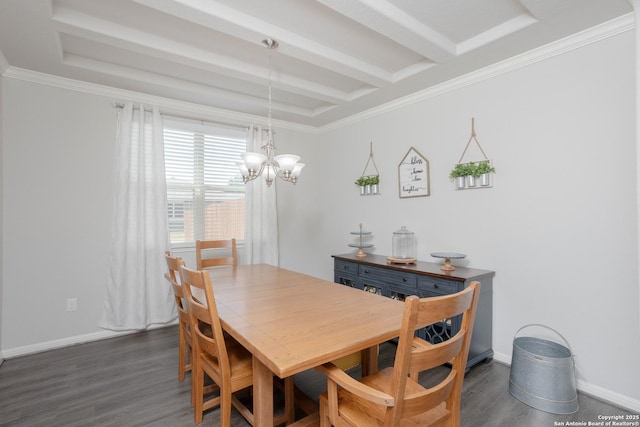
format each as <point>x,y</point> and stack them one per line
<point>205,192</point>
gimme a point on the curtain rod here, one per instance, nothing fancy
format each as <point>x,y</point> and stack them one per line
<point>120,105</point>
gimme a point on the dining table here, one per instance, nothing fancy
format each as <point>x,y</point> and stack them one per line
<point>292,322</point>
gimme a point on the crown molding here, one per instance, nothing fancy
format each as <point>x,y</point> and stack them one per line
<point>592,35</point>
<point>166,105</point>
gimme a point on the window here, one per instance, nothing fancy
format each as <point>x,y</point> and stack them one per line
<point>205,192</point>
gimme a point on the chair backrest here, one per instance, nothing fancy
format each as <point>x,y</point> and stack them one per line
<point>415,355</point>
<point>203,313</point>
<point>172,275</point>
<point>203,245</point>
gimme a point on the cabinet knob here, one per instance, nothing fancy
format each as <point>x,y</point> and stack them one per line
<point>404,279</point>
<point>435,285</point>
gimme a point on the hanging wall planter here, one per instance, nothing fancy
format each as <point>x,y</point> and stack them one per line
<point>475,174</point>
<point>369,184</point>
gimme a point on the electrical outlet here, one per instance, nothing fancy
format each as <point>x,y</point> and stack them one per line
<point>72,304</point>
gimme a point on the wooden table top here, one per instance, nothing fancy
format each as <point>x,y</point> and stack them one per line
<point>293,322</point>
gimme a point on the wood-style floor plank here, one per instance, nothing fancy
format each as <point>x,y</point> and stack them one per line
<point>133,381</point>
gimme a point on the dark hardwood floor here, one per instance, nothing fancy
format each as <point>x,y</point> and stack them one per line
<point>132,381</point>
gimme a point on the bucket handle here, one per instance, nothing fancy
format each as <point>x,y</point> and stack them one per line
<point>552,330</point>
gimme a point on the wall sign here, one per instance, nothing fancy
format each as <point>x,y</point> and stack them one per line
<point>413,175</point>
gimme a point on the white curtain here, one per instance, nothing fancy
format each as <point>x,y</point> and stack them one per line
<point>261,216</point>
<point>636,12</point>
<point>137,293</point>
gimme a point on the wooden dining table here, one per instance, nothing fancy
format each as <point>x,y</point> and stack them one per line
<point>291,322</point>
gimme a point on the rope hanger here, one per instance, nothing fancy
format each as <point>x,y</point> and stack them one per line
<point>370,159</point>
<point>472,138</point>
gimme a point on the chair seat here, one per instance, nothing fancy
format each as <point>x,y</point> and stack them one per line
<point>361,412</point>
<point>239,360</point>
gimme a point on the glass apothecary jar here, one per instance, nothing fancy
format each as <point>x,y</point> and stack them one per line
<point>404,244</point>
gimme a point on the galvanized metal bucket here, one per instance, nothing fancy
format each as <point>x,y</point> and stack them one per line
<point>543,373</point>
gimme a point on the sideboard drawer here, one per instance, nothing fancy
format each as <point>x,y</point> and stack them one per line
<point>392,276</point>
<point>345,267</point>
<point>429,286</point>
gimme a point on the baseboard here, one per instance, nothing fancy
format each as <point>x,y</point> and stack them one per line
<point>597,392</point>
<point>69,341</point>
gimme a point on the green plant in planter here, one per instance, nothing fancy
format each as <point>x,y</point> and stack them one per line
<point>485,167</point>
<point>362,181</point>
<point>460,170</point>
<point>473,169</point>
<point>375,180</point>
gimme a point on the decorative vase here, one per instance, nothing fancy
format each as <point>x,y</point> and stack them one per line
<point>362,190</point>
<point>367,188</point>
<point>374,188</point>
<point>485,179</point>
<point>471,181</point>
<point>460,182</point>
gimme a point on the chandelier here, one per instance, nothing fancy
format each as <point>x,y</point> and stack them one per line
<point>268,165</point>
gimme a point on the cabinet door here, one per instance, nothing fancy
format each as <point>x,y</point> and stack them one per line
<point>346,279</point>
<point>446,328</point>
<point>400,291</point>
<point>374,286</point>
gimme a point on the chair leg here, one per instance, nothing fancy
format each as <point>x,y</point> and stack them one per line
<point>324,413</point>
<point>182,348</point>
<point>289,400</point>
<point>192,368</point>
<point>225,407</point>
<point>197,391</point>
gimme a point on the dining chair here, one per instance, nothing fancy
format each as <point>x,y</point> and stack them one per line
<point>185,340</point>
<point>203,246</point>
<point>393,396</point>
<point>184,331</point>
<point>227,363</point>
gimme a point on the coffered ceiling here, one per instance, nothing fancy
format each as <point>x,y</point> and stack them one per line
<point>335,58</point>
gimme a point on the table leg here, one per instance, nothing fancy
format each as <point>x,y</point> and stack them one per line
<point>262,394</point>
<point>369,360</point>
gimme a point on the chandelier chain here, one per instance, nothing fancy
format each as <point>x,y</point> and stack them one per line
<point>270,47</point>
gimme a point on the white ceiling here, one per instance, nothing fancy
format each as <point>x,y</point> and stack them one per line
<point>335,58</point>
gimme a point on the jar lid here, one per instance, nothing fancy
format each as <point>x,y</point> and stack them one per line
<point>403,230</point>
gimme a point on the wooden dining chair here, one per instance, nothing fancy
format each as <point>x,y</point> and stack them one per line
<point>203,246</point>
<point>184,330</point>
<point>393,396</point>
<point>227,363</point>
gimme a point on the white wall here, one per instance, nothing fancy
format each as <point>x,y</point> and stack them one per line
<point>558,227</point>
<point>58,170</point>
<point>562,240</point>
<point>1,210</point>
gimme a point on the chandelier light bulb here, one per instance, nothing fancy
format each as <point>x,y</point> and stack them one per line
<point>286,162</point>
<point>253,162</point>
